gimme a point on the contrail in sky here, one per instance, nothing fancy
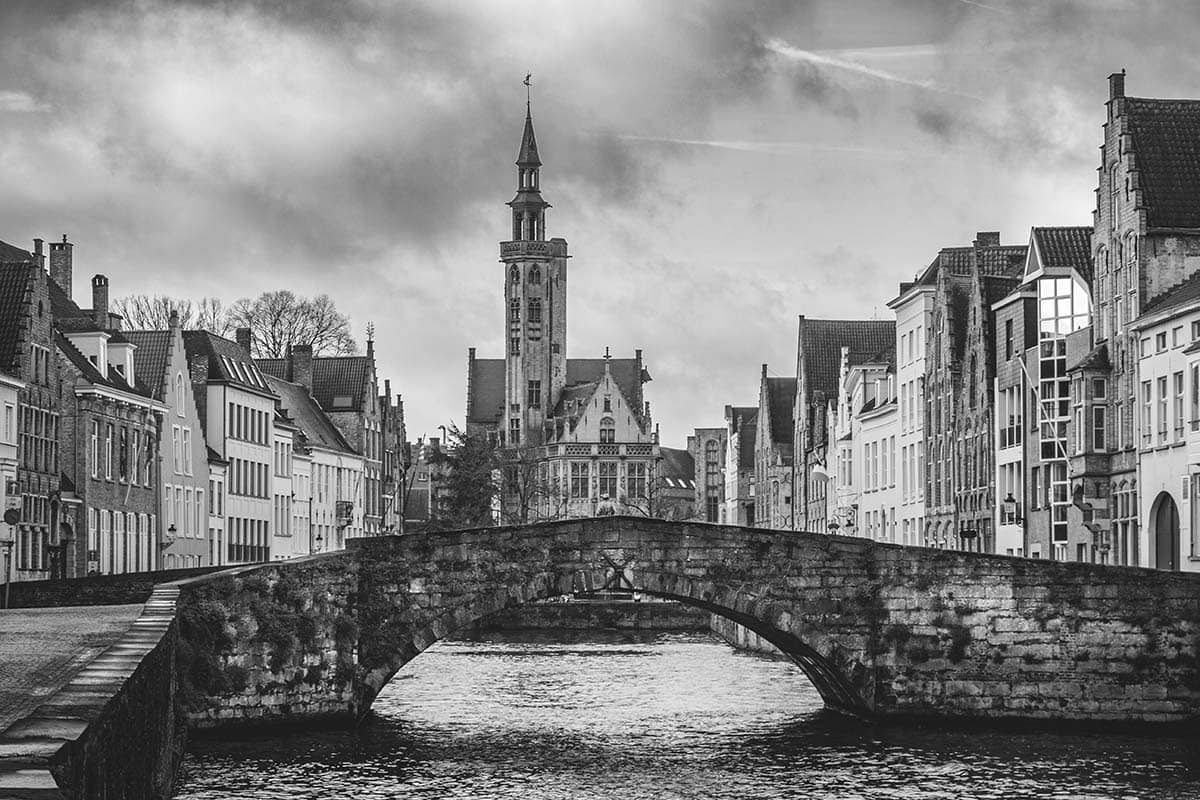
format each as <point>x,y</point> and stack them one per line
<point>765,147</point>
<point>796,54</point>
<point>985,5</point>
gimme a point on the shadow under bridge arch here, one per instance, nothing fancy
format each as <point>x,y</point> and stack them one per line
<point>839,675</point>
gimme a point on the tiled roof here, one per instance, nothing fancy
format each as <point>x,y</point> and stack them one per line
<point>823,340</point>
<point>487,383</point>
<point>1096,358</point>
<point>679,467</point>
<point>151,359</point>
<point>14,255</point>
<point>578,394</point>
<point>486,404</point>
<point>1001,260</point>
<point>625,372</point>
<point>1180,295</point>
<point>339,382</point>
<point>781,395</point>
<point>70,318</point>
<point>227,361</point>
<point>303,409</point>
<point>14,284</point>
<point>1166,153</point>
<point>86,368</point>
<point>1066,247</point>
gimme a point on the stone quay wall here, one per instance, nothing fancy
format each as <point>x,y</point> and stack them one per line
<point>113,730</point>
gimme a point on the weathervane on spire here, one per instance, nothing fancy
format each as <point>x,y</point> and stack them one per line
<point>528,77</point>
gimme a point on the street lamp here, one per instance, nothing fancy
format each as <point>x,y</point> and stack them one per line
<point>11,517</point>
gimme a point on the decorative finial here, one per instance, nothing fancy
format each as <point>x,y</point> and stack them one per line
<point>370,331</point>
<point>607,355</point>
<point>528,96</point>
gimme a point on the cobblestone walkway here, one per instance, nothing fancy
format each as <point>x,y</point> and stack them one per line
<point>42,648</point>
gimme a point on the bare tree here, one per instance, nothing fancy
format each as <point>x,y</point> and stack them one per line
<point>153,312</point>
<point>528,495</point>
<point>279,319</point>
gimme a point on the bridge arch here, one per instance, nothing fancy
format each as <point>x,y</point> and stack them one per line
<point>840,675</point>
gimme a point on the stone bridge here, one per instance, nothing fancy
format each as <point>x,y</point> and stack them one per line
<point>881,630</point>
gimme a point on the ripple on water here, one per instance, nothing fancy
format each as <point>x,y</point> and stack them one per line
<point>663,716</point>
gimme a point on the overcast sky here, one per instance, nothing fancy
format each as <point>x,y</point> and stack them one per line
<point>717,167</point>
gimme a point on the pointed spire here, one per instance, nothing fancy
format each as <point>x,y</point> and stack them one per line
<point>528,157</point>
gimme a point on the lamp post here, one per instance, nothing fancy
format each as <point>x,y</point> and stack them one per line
<point>11,517</point>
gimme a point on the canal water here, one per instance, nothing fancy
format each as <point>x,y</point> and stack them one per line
<point>639,715</point>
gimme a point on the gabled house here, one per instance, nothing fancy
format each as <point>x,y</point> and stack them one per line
<point>110,436</point>
<point>185,537</point>
<point>819,344</point>
<point>773,453</point>
<point>741,425</point>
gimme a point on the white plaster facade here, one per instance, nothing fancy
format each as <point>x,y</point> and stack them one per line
<point>914,310</point>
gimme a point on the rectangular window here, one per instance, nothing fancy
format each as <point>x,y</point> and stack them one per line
<point>533,397</point>
<point>1162,409</point>
<point>1195,415</point>
<point>94,449</point>
<point>108,451</point>
<point>1098,442</point>
<point>579,480</point>
<point>1008,339</point>
<point>1177,379</point>
<point>514,346</point>
<point>123,460</point>
<point>1160,342</point>
<point>1036,486</point>
<point>514,431</point>
<point>187,451</point>
<point>1147,411</point>
<point>176,450</point>
<point>608,479</point>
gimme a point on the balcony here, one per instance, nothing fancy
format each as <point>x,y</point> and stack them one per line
<point>515,251</point>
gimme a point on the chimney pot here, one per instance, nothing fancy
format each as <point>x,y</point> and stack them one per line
<point>243,339</point>
<point>1116,85</point>
<point>100,301</point>
<point>60,265</point>
<point>301,358</point>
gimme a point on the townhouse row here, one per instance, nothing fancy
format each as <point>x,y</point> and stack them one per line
<point>133,450</point>
<point>1039,399</point>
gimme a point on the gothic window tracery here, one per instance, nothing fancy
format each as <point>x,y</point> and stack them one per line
<point>535,274</point>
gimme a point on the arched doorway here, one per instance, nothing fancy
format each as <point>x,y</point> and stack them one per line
<point>1165,519</point>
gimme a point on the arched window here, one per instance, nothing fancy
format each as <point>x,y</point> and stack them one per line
<point>180,396</point>
<point>608,430</point>
<point>535,274</point>
<point>514,274</point>
<point>514,309</point>
<point>535,310</point>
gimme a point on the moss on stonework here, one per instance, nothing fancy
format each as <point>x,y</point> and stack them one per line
<point>253,611</point>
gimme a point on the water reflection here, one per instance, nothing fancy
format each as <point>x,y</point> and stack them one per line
<point>632,715</point>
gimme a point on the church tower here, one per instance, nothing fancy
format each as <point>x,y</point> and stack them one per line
<point>535,300</point>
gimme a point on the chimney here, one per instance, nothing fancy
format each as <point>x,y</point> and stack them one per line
<point>301,367</point>
<point>764,371</point>
<point>38,253</point>
<point>243,339</point>
<point>99,300</point>
<point>987,239</point>
<point>60,264</point>
<point>173,320</point>
<point>1116,85</point>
